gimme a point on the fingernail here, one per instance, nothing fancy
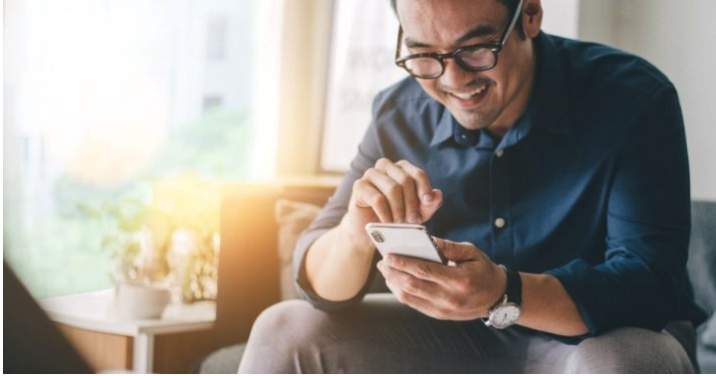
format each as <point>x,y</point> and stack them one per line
<point>428,197</point>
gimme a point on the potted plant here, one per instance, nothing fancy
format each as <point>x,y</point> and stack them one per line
<point>135,238</point>
<point>191,204</point>
<point>169,241</point>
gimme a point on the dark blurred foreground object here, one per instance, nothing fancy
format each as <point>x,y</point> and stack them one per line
<point>31,342</point>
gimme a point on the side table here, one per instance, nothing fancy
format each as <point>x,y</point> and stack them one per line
<point>108,339</point>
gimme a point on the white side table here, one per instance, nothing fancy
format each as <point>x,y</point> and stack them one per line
<point>98,312</point>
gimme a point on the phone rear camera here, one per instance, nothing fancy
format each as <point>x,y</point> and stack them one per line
<point>377,236</point>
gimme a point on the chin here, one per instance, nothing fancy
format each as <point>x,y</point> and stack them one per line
<point>473,121</point>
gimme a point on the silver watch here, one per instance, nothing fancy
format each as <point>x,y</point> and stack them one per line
<point>504,314</point>
<point>508,310</point>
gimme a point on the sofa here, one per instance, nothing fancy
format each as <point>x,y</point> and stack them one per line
<point>260,224</point>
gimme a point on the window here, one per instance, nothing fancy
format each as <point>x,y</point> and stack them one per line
<point>211,102</point>
<point>107,100</point>
<point>216,38</point>
<point>362,53</point>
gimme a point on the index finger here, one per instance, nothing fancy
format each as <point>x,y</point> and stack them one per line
<point>422,180</point>
<point>421,269</point>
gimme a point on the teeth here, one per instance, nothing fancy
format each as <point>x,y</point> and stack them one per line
<point>466,96</point>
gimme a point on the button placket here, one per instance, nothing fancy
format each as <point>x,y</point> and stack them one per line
<point>500,203</point>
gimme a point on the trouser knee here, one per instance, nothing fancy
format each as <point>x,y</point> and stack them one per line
<point>280,335</point>
<point>630,350</point>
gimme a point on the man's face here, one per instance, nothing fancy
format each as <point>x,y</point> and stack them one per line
<point>493,98</point>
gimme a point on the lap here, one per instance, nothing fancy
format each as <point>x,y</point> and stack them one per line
<point>383,335</point>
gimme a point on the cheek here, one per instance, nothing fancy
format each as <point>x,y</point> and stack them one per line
<point>430,87</point>
<point>501,82</point>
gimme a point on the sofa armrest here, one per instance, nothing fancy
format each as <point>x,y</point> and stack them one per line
<point>249,265</point>
<point>248,277</point>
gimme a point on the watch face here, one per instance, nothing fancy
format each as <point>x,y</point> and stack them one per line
<point>505,315</point>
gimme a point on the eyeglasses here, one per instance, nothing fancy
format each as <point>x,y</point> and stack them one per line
<point>475,58</point>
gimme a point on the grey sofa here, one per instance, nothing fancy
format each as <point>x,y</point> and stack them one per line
<point>249,268</point>
<point>702,270</point>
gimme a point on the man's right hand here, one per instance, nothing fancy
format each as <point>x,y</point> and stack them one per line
<point>390,193</point>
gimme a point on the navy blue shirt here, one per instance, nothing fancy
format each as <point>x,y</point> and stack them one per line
<point>590,185</point>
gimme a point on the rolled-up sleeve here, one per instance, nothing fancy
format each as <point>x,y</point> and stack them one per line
<point>642,280</point>
<point>369,151</point>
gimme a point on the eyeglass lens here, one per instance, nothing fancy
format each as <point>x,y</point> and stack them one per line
<point>475,59</point>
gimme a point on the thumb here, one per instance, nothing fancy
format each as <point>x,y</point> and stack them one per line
<point>430,203</point>
<point>457,252</point>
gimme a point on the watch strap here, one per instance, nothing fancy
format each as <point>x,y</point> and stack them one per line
<point>514,286</point>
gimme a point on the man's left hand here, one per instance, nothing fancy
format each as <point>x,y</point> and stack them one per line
<point>465,289</point>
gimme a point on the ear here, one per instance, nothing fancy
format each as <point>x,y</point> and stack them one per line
<point>532,17</point>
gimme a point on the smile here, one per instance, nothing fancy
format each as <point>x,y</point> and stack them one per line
<point>468,99</point>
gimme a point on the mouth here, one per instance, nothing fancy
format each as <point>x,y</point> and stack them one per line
<point>470,99</point>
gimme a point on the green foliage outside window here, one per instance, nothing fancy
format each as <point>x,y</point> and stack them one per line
<point>72,251</point>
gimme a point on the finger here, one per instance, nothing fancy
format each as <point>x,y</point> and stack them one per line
<point>368,196</point>
<point>383,163</point>
<point>430,199</point>
<point>428,209</point>
<point>421,269</point>
<point>457,252</point>
<point>425,306</point>
<point>410,284</point>
<point>391,190</point>
<point>422,180</point>
<point>410,193</point>
<point>390,280</point>
<point>394,281</point>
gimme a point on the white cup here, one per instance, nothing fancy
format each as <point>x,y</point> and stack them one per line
<point>142,301</point>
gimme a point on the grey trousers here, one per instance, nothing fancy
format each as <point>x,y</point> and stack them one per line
<point>382,335</point>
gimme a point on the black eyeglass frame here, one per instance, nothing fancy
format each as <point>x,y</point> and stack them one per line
<point>494,47</point>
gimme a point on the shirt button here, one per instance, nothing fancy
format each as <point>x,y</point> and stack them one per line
<point>464,136</point>
<point>499,222</point>
<point>499,153</point>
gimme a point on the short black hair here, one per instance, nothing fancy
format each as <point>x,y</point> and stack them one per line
<point>511,5</point>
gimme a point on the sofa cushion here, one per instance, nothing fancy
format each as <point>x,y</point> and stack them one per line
<point>293,218</point>
<point>702,253</point>
<point>702,272</point>
<point>708,337</point>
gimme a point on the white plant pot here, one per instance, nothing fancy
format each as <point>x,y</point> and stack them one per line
<point>142,301</point>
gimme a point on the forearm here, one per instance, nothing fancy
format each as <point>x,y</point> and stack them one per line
<point>337,268</point>
<point>546,306</point>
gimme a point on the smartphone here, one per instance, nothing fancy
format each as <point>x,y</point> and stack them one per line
<point>404,239</point>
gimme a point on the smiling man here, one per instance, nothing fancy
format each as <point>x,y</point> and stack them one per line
<point>553,174</point>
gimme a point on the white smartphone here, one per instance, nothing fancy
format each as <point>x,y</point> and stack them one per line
<point>404,239</point>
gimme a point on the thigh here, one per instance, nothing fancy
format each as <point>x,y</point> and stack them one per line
<point>384,336</point>
<point>381,335</point>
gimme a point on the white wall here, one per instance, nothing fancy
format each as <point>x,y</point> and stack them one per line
<point>561,17</point>
<point>680,39</point>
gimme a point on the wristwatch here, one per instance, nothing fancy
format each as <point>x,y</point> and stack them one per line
<point>507,311</point>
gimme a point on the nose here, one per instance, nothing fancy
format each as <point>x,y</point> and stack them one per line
<point>455,76</point>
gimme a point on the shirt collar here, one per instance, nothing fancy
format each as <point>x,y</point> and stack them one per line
<point>444,129</point>
<point>548,103</point>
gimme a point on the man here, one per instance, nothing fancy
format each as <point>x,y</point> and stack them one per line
<point>553,174</point>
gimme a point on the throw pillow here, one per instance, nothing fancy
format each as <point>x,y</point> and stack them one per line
<point>293,218</point>
<point>708,337</point>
